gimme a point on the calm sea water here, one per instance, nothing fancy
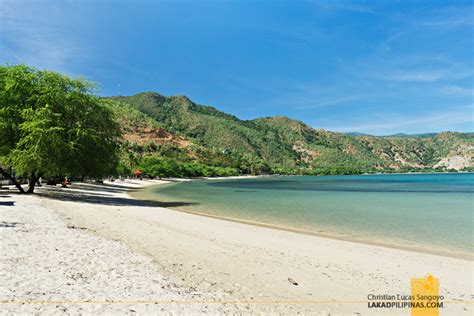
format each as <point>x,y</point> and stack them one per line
<point>433,212</point>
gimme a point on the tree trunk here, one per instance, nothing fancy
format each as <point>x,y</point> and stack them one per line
<point>9,177</point>
<point>31,183</point>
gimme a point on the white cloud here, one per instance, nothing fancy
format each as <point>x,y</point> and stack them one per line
<point>344,6</point>
<point>331,102</point>
<point>429,122</point>
<point>420,76</point>
<point>458,90</point>
<point>456,17</point>
<point>35,33</point>
<point>426,70</point>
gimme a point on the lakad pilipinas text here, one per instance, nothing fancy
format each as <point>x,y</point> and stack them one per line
<point>424,299</point>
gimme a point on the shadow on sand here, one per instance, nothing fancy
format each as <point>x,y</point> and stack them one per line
<point>4,224</point>
<point>66,194</point>
<point>103,187</point>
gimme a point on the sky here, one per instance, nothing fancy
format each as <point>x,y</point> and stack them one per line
<point>376,67</point>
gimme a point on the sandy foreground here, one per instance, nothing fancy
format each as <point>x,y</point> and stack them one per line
<point>92,249</point>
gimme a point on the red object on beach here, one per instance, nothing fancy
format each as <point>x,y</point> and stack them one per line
<point>137,172</point>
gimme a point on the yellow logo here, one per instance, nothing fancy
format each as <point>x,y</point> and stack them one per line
<point>425,299</point>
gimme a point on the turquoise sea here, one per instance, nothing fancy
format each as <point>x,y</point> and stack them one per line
<point>427,212</point>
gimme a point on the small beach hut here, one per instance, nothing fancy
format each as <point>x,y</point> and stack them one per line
<point>138,173</point>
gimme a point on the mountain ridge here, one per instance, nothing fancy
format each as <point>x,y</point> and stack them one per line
<point>280,144</point>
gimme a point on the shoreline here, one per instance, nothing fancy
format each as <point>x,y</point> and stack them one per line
<point>419,249</point>
<point>217,266</point>
<point>415,249</point>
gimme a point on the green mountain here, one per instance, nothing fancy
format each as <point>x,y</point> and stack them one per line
<point>176,127</point>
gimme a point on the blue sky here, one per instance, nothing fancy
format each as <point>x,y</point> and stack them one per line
<point>377,67</point>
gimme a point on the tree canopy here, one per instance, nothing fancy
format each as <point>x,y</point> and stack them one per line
<point>53,125</point>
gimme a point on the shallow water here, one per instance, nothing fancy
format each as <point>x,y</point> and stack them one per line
<point>432,212</point>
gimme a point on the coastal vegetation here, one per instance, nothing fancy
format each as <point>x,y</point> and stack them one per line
<point>55,126</point>
<point>52,125</point>
<point>281,145</point>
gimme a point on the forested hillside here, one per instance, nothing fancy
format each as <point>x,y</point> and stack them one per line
<point>176,130</point>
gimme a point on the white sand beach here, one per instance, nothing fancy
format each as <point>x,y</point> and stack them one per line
<point>92,249</point>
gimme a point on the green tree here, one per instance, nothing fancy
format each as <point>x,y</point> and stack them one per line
<point>52,125</point>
